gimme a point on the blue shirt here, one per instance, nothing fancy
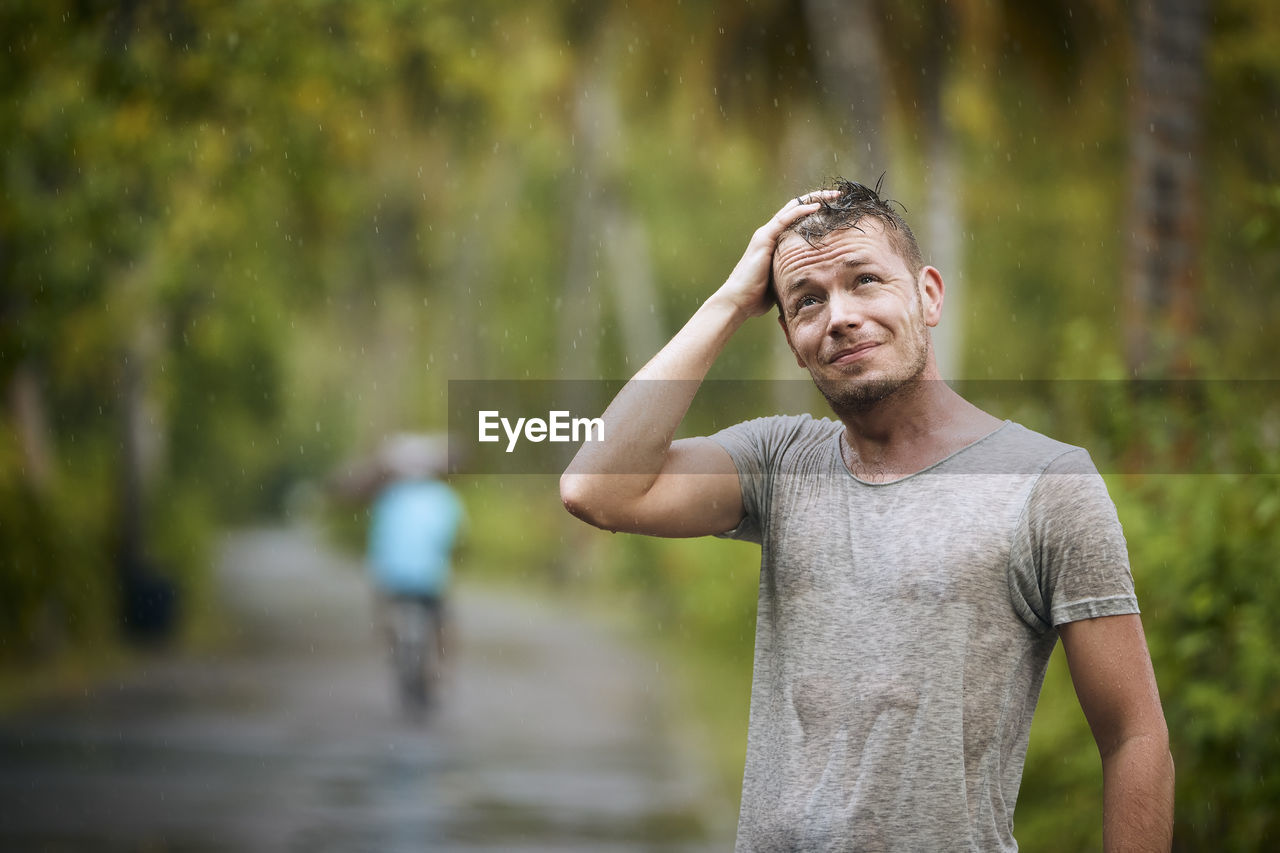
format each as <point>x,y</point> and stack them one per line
<point>411,536</point>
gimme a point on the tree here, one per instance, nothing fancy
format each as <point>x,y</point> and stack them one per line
<point>1162,269</point>
<point>849,53</point>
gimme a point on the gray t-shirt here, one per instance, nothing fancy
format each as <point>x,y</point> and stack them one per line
<point>903,631</point>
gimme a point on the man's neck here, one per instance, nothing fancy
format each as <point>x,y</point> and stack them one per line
<point>917,426</point>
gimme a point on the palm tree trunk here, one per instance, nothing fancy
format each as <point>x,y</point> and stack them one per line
<point>1162,276</point>
<point>847,46</point>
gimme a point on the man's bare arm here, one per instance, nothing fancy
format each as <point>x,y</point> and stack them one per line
<point>1112,673</point>
<point>638,480</point>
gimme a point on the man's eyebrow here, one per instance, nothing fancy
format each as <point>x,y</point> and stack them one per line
<point>796,285</point>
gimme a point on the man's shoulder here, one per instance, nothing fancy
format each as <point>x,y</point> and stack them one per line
<point>1018,435</point>
<point>765,442</point>
<point>783,428</point>
<point>1015,449</point>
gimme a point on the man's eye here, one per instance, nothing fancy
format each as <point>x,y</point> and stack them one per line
<point>866,278</point>
<point>806,301</point>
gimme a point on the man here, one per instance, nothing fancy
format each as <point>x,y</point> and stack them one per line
<point>919,559</point>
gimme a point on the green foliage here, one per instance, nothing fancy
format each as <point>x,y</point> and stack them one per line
<point>1207,549</point>
<point>56,586</point>
<point>1060,802</point>
<point>516,531</point>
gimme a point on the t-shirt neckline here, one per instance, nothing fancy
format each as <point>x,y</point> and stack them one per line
<point>944,460</point>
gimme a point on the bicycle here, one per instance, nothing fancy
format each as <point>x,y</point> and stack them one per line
<point>414,625</point>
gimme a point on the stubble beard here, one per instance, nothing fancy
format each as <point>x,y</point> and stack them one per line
<point>855,396</point>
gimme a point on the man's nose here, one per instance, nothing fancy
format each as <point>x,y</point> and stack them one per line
<point>845,311</point>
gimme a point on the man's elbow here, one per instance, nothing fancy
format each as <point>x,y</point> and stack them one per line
<point>1152,741</point>
<point>577,497</point>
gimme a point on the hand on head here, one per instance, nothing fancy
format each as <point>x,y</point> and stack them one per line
<point>748,286</point>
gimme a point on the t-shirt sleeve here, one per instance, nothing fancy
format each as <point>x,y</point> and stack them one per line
<point>1069,559</point>
<point>755,447</point>
<point>746,443</point>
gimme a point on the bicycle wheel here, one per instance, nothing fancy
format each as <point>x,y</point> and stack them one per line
<point>412,641</point>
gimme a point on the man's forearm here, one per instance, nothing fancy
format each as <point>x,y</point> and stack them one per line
<point>642,420</point>
<point>1137,782</point>
<point>611,483</point>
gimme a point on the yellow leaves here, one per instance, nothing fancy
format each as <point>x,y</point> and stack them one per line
<point>212,149</point>
<point>1244,45</point>
<point>134,122</point>
<point>313,98</point>
<point>973,111</point>
<point>89,342</point>
<point>62,92</point>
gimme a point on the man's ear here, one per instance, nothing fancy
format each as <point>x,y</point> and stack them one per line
<point>931,289</point>
<point>786,334</point>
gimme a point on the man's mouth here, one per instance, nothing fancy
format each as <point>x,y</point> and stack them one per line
<point>851,354</point>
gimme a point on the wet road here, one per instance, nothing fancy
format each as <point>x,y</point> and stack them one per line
<point>554,736</point>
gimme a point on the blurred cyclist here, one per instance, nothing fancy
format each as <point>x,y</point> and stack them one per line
<point>413,528</point>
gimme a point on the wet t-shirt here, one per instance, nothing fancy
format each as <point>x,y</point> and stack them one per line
<point>904,629</point>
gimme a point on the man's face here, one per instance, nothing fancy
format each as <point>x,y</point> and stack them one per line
<point>854,315</point>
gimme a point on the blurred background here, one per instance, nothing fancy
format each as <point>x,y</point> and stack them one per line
<point>241,242</point>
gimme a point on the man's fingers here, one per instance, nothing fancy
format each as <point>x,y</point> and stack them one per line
<point>816,195</point>
<point>751,275</point>
<point>802,206</point>
<point>793,211</point>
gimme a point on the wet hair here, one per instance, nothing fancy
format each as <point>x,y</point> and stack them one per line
<point>855,203</point>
